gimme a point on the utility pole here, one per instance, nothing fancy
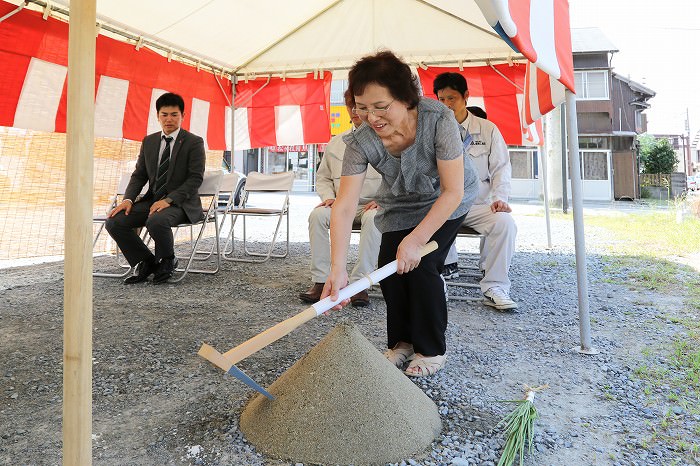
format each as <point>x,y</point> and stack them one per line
<point>689,163</point>
<point>554,147</point>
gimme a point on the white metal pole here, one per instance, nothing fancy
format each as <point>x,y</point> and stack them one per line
<point>545,191</point>
<point>234,79</point>
<point>77,300</point>
<point>562,125</point>
<point>579,236</point>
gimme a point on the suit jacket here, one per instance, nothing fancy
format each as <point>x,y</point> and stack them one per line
<point>185,173</point>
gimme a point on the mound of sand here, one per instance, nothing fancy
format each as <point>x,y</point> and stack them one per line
<point>342,403</point>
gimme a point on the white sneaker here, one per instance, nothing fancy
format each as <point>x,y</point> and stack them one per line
<point>496,297</point>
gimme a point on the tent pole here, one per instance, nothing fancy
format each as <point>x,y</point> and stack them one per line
<point>579,237</point>
<point>545,192</point>
<point>77,300</point>
<point>564,190</point>
<point>234,80</point>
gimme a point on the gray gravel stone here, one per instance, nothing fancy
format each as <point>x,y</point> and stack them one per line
<point>153,396</point>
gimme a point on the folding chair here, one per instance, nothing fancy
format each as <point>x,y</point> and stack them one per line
<point>208,190</point>
<point>231,184</point>
<point>473,272</point>
<point>101,219</point>
<point>264,196</point>
<point>230,187</point>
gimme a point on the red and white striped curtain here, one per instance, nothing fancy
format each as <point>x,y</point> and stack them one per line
<point>282,112</point>
<point>499,90</point>
<point>539,29</point>
<point>33,71</point>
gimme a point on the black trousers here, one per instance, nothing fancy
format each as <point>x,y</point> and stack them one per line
<point>122,228</point>
<point>416,307</point>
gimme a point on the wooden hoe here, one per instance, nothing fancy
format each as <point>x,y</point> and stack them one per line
<point>228,360</point>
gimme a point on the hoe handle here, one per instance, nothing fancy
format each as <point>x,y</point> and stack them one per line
<point>276,332</point>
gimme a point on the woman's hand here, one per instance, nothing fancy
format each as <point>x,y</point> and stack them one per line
<point>408,255</point>
<point>336,281</point>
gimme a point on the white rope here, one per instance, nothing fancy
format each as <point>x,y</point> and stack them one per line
<point>243,104</point>
<point>505,77</point>
<point>13,12</point>
<point>184,17</point>
<point>223,92</point>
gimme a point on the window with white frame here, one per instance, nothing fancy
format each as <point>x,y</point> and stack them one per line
<point>523,162</point>
<point>592,85</point>
<point>593,165</point>
<point>338,87</point>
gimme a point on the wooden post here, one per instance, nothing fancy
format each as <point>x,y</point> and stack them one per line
<point>77,301</point>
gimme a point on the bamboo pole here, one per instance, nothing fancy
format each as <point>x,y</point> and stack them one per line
<point>77,301</point>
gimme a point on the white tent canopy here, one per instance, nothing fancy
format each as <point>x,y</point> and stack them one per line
<point>248,38</point>
<point>276,36</point>
<point>262,37</point>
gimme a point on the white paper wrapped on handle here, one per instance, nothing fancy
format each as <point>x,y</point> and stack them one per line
<point>364,283</point>
<point>355,287</point>
<point>261,340</point>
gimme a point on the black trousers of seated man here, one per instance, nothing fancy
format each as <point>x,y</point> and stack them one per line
<point>416,306</point>
<point>122,228</point>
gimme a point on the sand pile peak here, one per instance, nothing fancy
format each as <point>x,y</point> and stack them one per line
<point>342,403</point>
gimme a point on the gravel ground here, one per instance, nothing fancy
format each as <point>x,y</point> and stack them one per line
<point>155,402</point>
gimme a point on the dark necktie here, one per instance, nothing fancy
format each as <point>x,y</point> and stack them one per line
<point>160,191</point>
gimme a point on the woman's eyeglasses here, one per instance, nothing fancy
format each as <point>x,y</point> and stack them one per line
<point>380,111</point>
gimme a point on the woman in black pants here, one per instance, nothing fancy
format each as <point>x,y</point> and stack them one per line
<point>427,188</point>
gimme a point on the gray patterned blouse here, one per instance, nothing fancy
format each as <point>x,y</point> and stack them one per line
<point>410,182</point>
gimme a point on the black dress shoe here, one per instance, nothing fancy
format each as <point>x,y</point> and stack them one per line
<point>360,299</point>
<point>166,268</point>
<point>141,272</point>
<point>313,294</point>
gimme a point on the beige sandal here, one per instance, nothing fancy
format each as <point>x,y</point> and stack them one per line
<point>398,355</point>
<point>422,366</point>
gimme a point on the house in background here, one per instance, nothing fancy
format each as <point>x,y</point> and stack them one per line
<point>695,153</point>
<point>610,116</point>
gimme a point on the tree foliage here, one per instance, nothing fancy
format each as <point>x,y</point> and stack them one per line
<point>645,141</point>
<point>657,155</point>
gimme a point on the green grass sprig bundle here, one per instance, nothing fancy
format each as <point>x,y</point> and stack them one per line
<point>519,427</point>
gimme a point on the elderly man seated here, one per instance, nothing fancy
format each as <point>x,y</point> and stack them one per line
<point>327,182</point>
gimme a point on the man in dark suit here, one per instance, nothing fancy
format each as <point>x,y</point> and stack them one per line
<point>172,162</point>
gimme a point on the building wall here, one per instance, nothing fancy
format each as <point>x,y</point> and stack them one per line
<point>591,60</point>
<point>593,122</point>
<point>624,117</point>
<point>594,116</point>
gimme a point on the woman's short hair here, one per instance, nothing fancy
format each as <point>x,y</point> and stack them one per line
<point>387,70</point>
<point>349,98</point>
